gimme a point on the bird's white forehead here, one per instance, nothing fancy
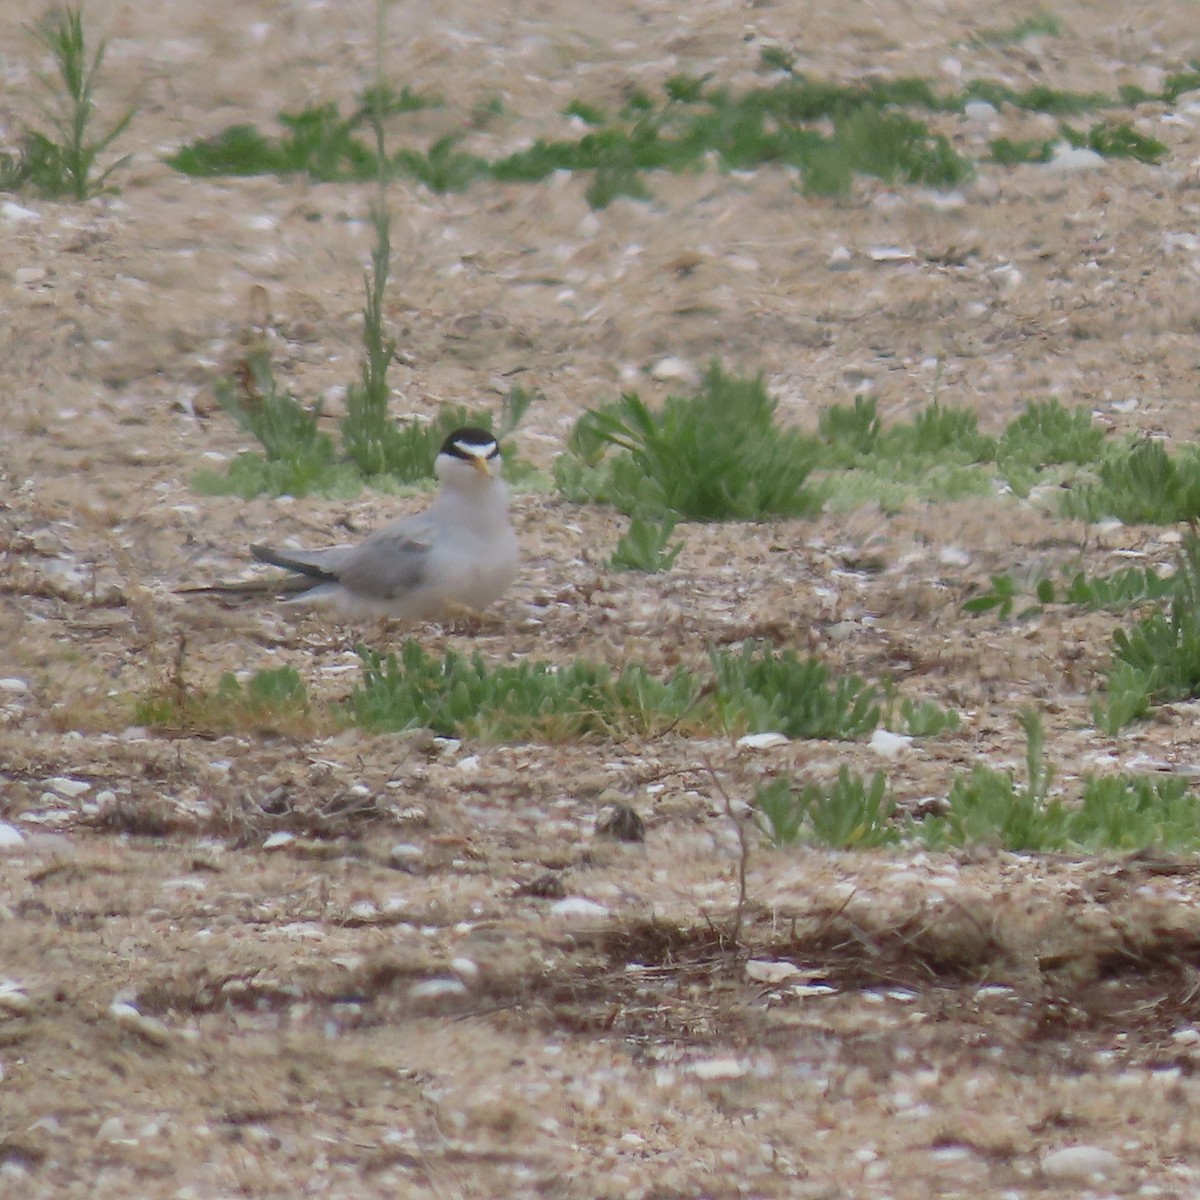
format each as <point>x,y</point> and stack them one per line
<point>475,449</point>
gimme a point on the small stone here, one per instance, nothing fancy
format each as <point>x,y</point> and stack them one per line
<point>621,823</point>
<point>14,212</point>
<point>762,741</point>
<point>578,908</point>
<point>68,788</point>
<point>13,686</point>
<point>1082,1163</point>
<point>467,969</point>
<point>27,275</point>
<point>889,745</point>
<point>675,370</point>
<point>152,1029</point>
<point>762,970</point>
<point>1066,158</point>
<point>470,764</point>
<point>278,840</point>
<point>404,856</point>
<point>10,837</point>
<point>436,989</point>
<point>13,998</point>
<point>718,1068</point>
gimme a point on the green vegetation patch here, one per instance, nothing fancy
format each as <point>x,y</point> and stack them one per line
<point>66,160</point>
<point>752,689</point>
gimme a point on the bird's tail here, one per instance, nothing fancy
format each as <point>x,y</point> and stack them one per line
<point>304,563</point>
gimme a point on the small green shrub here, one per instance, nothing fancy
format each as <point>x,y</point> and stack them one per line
<point>644,546</point>
<point>716,455</point>
<point>760,689</point>
<point>853,814</point>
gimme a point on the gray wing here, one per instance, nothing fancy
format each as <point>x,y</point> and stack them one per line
<point>389,563</point>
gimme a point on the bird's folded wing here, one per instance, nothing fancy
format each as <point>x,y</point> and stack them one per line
<point>388,564</point>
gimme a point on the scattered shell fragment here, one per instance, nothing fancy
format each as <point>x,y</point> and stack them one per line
<point>277,840</point>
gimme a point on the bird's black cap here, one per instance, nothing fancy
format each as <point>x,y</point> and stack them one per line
<point>470,442</point>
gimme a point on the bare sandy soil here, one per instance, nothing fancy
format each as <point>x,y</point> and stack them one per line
<point>352,966</point>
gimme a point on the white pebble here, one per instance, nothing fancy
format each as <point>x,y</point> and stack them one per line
<point>890,745</point>
<point>762,741</point>
<point>763,970</point>
<point>470,764</point>
<point>14,212</point>
<point>1074,158</point>
<point>674,370</point>
<point>276,840</point>
<point>27,275</point>
<point>13,998</point>
<point>1078,1162</point>
<point>13,685</point>
<point>436,989</point>
<point>467,969</point>
<point>149,1027</point>
<point>10,837</point>
<point>718,1068</point>
<point>68,788</point>
<point>578,907</point>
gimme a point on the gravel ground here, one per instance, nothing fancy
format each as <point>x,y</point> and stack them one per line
<point>292,963</point>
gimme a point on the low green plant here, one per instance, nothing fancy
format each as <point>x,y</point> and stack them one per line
<point>1040,24</point>
<point>1159,658</point>
<point>644,546</point>
<point>1117,139</point>
<point>760,689</point>
<point>716,455</point>
<point>752,689</point>
<point>927,719</point>
<point>1121,812</point>
<point>297,458</point>
<point>988,807</point>
<point>65,161</point>
<point>1143,484</point>
<point>459,694</point>
<point>1124,588</point>
<point>852,814</point>
<point>271,700</point>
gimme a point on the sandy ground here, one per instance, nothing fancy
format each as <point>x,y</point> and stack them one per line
<point>282,965</point>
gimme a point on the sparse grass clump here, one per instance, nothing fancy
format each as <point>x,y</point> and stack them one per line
<point>716,455</point>
<point>1143,484</point>
<point>269,701</point>
<point>760,689</point>
<point>645,546</point>
<point>754,689</point>
<point>457,694</point>
<point>852,814</point>
<point>1159,658</point>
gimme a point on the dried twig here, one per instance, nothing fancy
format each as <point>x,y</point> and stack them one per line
<point>734,932</point>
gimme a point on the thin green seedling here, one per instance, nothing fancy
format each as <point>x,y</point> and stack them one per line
<point>66,162</point>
